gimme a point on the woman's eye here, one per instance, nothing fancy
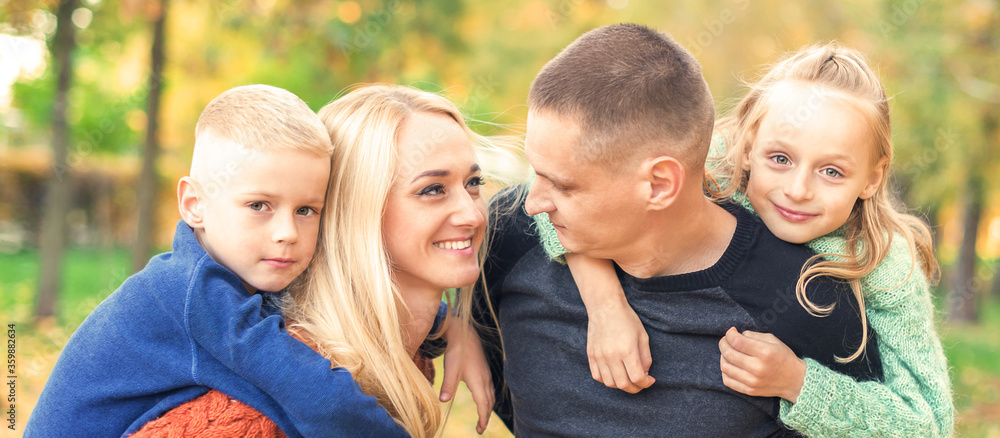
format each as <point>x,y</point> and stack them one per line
<point>306,211</point>
<point>832,173</point>
<point>780,159</point>
<point>433,190</point>
<point>256,206</point>
<point>475,181</point>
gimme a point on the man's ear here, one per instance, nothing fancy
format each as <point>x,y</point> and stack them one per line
<point>666,178</point>
<point>875,179</point>
<point>189,202</point>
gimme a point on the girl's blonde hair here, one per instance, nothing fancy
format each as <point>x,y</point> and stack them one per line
<point>347,304</point>
<point>841,74</point>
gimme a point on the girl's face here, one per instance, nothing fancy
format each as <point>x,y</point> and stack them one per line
<point>811,161</point>
<point>435,218</point>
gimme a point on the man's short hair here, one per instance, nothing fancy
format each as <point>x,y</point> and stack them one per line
<point>634,91</point>
<point>262,118</point>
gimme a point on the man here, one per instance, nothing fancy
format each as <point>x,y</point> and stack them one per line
<point>619,126</point>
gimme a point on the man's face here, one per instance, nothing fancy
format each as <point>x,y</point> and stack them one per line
<point>595,210</point>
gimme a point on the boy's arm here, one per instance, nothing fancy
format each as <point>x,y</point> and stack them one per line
<point>227,324</point>
<point>617,343</point>
<point>465,360</point>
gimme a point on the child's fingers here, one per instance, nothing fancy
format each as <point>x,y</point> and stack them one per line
<point>449,384</point>
<point>484,405</point>
<point>737,378</point>
<point>730,354</point>
<point>750,345</point>
<point>622,378</point>
<point>595,369</point>
<point>645,357</point>
<point>637,374</point>
<point>763,337</point>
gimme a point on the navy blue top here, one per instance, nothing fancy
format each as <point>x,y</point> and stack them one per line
<point>183,325</point>
<point>549,390</point>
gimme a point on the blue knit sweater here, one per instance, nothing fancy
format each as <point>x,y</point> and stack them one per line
<point>180,326</point>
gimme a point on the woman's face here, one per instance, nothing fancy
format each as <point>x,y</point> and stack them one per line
<point>435,218</point>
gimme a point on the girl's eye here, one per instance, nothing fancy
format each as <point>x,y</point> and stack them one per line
<point>831,172</point>
<point>433,190</point>
<point>306,211</point>
<point>256,206</point>
<point>780,159</point>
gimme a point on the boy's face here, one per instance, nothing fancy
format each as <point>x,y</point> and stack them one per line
<point>261,213</point>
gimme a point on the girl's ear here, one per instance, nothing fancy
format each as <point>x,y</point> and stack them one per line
<point>875,179</point>
<point>746,156</point>
<point>189,202</point>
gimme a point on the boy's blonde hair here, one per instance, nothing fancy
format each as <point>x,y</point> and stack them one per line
<point>260,118</point>
<point>347,303</point>
<point>839,74</point>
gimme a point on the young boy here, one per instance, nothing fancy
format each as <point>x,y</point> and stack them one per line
<point>205,315</point>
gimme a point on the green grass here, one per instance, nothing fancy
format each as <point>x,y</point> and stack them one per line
<point>89,276</point>
<point>973,351</point>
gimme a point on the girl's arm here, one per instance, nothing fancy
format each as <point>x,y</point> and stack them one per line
<point>617,343</point>
<point>915,398</point>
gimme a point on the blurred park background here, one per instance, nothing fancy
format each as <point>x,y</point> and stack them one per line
<point>99,99</point>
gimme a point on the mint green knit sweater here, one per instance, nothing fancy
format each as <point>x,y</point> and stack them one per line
<point>915,399</point>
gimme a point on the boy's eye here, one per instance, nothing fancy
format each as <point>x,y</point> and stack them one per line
<point>306,211</point>
<point>831,172</point>
<point>256,206</point>
<point>432,190</point>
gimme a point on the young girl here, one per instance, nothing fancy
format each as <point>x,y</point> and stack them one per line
<point>808,150</point>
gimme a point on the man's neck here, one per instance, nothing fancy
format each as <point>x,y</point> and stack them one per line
<point>689,238</point>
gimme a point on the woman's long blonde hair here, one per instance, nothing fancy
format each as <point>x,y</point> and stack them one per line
<point>346,304</point>
<point>841,74</point>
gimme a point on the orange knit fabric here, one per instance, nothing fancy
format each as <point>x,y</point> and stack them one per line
<point>215,415</point>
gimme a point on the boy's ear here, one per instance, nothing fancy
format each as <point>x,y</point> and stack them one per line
<point>666,177</point>
<point>189,202</point>
<point>875,179</point>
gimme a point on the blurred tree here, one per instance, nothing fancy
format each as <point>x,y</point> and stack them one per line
<point>147,189</point>
<point>53,238</point>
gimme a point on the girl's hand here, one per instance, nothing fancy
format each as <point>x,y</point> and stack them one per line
<point>618,347</point>
<point>464,360</point>
<point>759,364</point>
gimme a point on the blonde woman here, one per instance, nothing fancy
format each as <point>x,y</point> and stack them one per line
<point>404,221</point>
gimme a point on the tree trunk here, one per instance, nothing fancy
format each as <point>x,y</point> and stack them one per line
<point>147,178</point>
<point>53,238</point>
<point>962,298</point>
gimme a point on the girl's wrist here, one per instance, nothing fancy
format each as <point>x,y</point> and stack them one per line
<point>798,377</point>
